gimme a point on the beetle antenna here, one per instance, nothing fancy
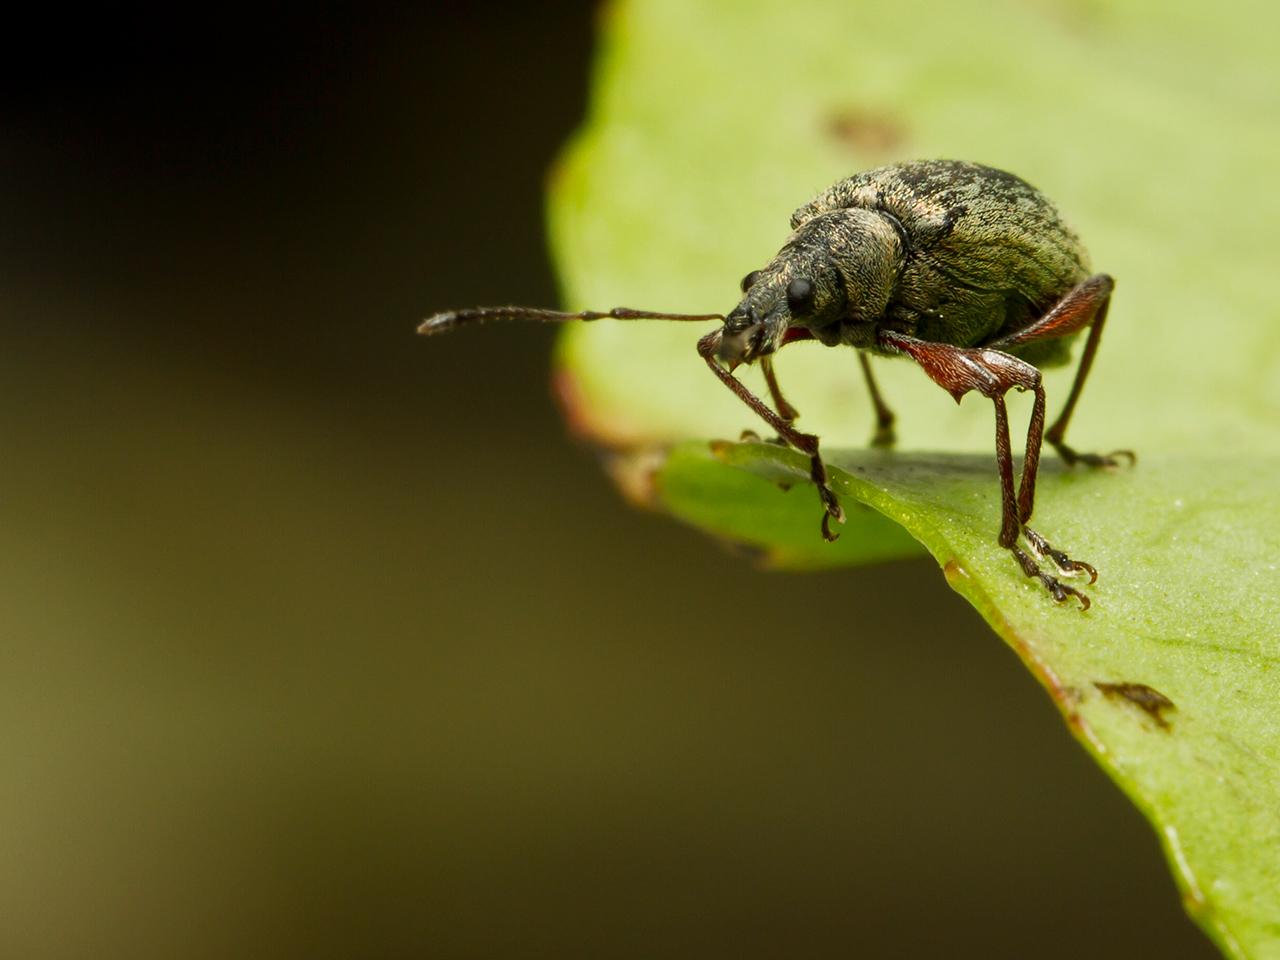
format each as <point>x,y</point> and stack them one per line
<point>457,318</point>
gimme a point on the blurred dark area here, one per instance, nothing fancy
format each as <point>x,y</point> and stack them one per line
<point>320,639</point>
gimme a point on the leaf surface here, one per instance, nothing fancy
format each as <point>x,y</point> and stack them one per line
<point>1152,126</point>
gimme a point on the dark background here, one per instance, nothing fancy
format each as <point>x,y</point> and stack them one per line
<point>320,639</point>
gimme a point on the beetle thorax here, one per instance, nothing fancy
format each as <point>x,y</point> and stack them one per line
<point>866,249</point>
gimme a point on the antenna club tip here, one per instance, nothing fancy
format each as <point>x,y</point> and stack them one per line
<point>438,323</point>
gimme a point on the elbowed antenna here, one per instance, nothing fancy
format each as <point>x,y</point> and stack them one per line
<point>457,318</point>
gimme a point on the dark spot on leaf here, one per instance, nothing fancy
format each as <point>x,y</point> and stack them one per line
<point>866,132</point>
<point>1148,699</point>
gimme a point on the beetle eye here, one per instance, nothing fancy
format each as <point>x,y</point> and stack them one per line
<point>800,295</point>
<point>749,280</point>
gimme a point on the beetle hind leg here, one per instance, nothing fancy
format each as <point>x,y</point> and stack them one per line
<point>1055,434</point>
<point>1084,305</point>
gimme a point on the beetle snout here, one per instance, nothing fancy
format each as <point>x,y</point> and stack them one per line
<point>740,346</point>
<point>742,337</point>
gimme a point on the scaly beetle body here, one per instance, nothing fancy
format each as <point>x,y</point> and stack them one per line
<point>943,251</point>
<point>968,270</point>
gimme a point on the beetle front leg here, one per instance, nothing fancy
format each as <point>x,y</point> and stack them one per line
<point>806,443</point>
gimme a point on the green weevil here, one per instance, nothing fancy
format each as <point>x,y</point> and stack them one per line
<point>968,270</point>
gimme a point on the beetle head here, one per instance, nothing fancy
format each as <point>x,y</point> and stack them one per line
<point>800,287</point>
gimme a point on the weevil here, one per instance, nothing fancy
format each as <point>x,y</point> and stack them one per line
<point>968,270</point>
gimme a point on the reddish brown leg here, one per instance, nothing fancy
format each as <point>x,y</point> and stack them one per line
<point>884,435</point>
<point>806,443</point>
<point>1084,305</point>
<point>785,410</point>
<point>993,374</point>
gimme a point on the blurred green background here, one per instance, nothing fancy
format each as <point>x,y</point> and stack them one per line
<point>320,639</point>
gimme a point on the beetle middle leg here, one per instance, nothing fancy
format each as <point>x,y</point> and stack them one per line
<point>884,435</point>
<point>806,443</point>
<point>993,373</point>
<point>785,410</point>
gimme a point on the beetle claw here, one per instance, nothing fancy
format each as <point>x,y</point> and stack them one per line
<point>1061,591</point>
<point>832,511</point>
<point>1068,567</point>
<point>1065,566</point>
<point>827,533</point>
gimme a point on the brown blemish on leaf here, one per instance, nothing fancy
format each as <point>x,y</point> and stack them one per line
<point>954,572</point>
<point>866,132</point>
<point>1148,699</point>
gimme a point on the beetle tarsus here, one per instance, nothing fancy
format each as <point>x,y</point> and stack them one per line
<point>830,503</point>
<point>1057,589</point>
<point>1060,591</point>
<point>827,533</point>
<point>832,511</point>
<point>1065,565</point>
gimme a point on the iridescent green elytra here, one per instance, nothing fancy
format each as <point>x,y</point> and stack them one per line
<point>966,269</point>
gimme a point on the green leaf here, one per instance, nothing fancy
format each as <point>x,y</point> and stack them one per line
<point>1152,125</point>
